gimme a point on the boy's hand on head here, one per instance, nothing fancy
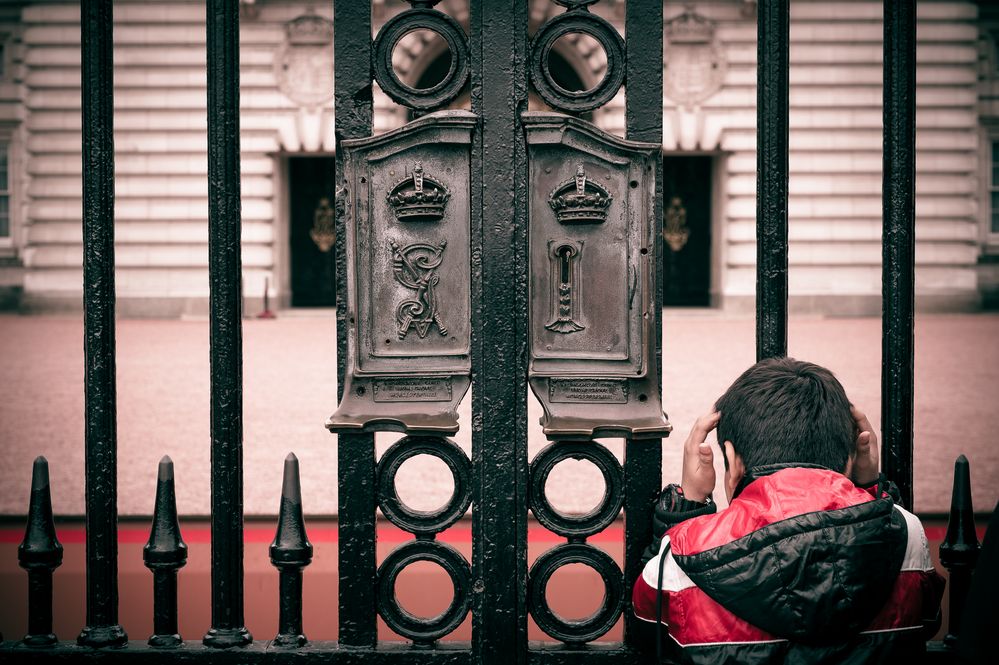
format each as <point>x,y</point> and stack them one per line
<point>865,464</point>
<point>698,460</point>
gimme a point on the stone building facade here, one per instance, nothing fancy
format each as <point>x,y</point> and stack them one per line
<point>708,150</point>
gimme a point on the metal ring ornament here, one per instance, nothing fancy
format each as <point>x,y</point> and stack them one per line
<point>394,30</point>
<point>424,522</point>
<point>577,20</point>
<point>408,625</point>
<point>593,626</point>
<point>596,520</point>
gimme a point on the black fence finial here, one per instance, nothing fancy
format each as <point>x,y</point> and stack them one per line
<point>959,550</point>
<point>164,554</point>
<point>40,553</point>
<point>291,551</point>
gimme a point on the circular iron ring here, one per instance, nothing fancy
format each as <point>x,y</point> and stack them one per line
<point>593,626</point>
<point>399,26</point>
<point>423,522</point>
<point>597,519</point>
<point>583,100</point>
<point>413,627</point>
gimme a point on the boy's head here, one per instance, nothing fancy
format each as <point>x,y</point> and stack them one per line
<point>783,410</point>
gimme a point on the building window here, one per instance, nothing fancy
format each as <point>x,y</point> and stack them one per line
<point>5,190</point>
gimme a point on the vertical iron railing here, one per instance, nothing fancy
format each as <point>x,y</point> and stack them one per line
<point>772,112</point>
<point>224,270</point>
<point>898,200</point>
<point>355,452</point>
<point>101,437</point>
<point>499,87</point>
<point>644,122</point>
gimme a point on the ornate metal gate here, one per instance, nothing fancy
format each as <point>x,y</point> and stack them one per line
<point>474,291</point>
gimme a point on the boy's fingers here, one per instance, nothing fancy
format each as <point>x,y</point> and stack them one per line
<point>704,455</point>
<point>864,440</point>
<point>703,426</point>
<point>861,418</point>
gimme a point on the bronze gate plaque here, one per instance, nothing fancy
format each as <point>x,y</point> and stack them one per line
<point>592,244</point>
<point>408,277</point>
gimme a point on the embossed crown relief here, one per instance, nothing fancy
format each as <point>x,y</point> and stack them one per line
<point>579,200</point>
<point>419,197</point>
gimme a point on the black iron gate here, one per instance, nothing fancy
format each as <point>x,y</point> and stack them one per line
<point>496,586</point>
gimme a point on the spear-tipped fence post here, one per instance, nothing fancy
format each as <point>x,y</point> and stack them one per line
<point>40,553</point>
<point>164,554</point>
<point>959,550</point>
<point>291,551</point>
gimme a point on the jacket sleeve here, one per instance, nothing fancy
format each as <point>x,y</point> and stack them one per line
<point>671,509</point>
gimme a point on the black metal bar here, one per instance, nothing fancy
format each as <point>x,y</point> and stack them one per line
<point>960,548</point>
<point>499,332</point>
<point>899,243</point>
<point>40,554</point>
<point>225,272</point>
<point>355,452</point>
<point>101,437</point>
<point>773,36</point>
<point>291,551</point>
<point>644,122</point>
<point>164,554</point>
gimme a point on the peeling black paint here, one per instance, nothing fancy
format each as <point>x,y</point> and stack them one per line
<point>225,320</point>
<point>898,243</point>
<point>101,435</point>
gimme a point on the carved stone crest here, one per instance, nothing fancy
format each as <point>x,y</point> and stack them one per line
<point>304,62</point>
<point>693,62</point>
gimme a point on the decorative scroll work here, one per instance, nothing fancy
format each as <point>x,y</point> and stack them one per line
<point>415,267</point>
<point>565,287</point>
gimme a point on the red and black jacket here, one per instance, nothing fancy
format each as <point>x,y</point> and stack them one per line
<point>802,567</point>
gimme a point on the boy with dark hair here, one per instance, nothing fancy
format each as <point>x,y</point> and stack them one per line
<point>813,561</point>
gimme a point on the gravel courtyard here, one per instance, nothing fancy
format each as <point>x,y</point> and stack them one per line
<point>289,390</point>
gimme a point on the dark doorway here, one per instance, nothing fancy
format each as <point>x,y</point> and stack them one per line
<point>310,194</point>
<point>687,231</point>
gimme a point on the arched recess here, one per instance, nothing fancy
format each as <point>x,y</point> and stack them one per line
<point>422,59</point>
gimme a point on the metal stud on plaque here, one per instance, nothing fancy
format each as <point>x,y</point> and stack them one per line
<point>407,221</point>
<point>592,276</point>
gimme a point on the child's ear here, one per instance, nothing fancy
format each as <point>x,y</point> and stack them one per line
<point>735,470</point>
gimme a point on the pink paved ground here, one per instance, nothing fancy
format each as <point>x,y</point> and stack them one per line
<point>289,380</point>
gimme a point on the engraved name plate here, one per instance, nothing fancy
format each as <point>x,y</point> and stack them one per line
<point>585,391</point>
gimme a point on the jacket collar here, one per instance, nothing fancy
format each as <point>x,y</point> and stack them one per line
<point>763,470</point>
